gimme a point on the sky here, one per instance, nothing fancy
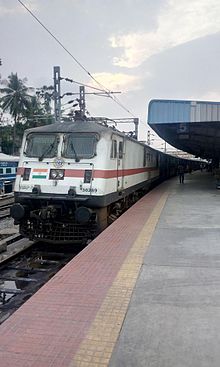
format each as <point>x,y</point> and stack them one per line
<point>144,49</point>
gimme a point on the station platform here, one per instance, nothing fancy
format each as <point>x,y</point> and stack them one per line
<point>145,292</point>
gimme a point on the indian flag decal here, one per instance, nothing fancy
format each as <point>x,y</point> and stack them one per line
<point>39,173</point>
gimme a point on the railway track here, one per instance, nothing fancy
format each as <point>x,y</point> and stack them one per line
<point>6,199</point>
<point>24,273</point>
<point>5,211</point>
<point>6,202</point>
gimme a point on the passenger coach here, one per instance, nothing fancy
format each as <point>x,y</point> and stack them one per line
<point>8,169</point>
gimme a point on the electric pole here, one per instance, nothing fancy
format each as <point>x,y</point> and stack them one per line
<point>136,124</point>
<point>82,102</point>
<point>57,97</point>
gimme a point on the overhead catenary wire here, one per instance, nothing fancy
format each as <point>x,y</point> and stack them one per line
<point>84,85</point>
<point>71,101</point>
<point>67,108</point>
<point>115,99</point>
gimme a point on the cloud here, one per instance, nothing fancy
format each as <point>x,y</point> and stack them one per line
<point>118,81</point>
<point>178,22</point>
<point>10,9</point>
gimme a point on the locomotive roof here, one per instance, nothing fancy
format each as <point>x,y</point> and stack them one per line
<point>80,126</point>
<point>73,126</point>
<point>85,126</point>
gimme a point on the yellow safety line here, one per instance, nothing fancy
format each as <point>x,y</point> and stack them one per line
<point>97,347</point>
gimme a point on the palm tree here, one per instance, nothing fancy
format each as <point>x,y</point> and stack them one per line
<point>45,94</point>
<point>34,113</point>
<point>15,100</point>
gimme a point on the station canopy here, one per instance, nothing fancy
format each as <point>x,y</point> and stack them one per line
<point>192,126</point>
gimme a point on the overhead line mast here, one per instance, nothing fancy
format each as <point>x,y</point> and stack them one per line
<point>57,97</point>
<point>82,103</point>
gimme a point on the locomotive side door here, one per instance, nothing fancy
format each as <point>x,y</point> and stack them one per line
<point>120,163</point>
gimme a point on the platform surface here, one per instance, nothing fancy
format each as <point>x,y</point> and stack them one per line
<point>144,293</point>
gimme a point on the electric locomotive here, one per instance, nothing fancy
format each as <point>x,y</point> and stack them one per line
<point>75,177</point>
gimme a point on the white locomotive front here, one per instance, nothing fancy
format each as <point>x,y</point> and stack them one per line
<point>74,176</point>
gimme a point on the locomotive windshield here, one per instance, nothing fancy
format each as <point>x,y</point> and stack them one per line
<point>78,146</point>
<point>41,146</point>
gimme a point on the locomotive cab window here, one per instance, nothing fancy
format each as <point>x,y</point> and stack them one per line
<point>1,171</point>
<point>80,146</point>
<point>8,170</point>
<point>41,146</point>
<point>114,149</point>
<point>120,150</point>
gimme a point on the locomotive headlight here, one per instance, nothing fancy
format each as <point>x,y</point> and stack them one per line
<point>57,174</point>
<point>53,174</point>
<point>60,175</point>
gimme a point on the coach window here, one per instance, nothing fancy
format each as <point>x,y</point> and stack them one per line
<point>114,149</point>
<point>120,150</point>
<point>8,170</point>
<point>1,170</point>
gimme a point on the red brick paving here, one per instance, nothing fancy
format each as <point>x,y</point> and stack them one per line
<point>48,329</point>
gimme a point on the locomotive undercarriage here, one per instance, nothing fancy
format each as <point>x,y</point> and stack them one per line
<point>58,223</point>
<point>58,231</point>
<point>63,228</point>
<point>65,222</point>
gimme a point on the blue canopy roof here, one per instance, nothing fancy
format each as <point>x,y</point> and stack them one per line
<point>192,126</point>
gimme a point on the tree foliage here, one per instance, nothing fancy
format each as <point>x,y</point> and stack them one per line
<point>28,108</point>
